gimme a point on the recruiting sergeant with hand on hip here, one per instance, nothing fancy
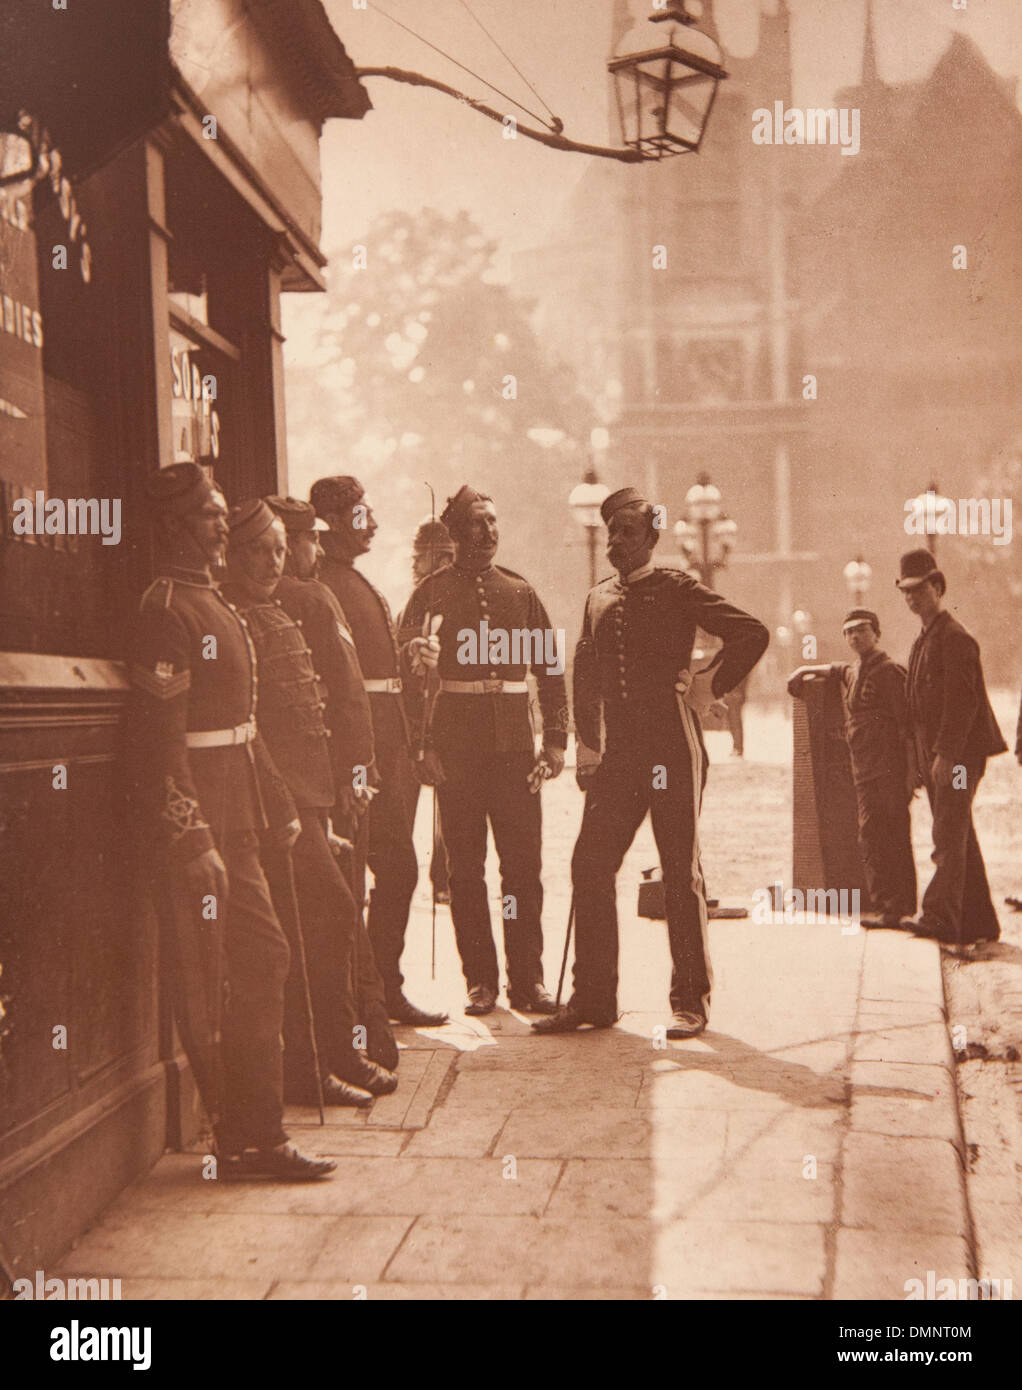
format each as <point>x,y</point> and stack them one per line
<point>632,675</point>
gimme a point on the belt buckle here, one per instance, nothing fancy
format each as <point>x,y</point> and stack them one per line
<point>493,687</point>
<point>244,733</point>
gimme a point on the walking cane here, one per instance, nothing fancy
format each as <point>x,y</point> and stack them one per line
<point>567,943</point>
<point>297,944</point>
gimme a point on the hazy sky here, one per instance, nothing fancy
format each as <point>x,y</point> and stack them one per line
<point>418,147</point>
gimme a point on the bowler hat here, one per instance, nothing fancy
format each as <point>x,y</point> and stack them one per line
<point>918,566</point>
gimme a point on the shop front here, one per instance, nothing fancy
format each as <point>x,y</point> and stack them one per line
<point>146,235</point>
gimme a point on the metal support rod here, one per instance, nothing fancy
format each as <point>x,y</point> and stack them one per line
<point>556,142</point>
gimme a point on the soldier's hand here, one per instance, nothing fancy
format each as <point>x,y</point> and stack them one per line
<point>554,758</point>
<point>942,771</point>
<point>429,769</point>
<point>338,844</point>
<point>696,690</point>
<point>585,774</point>
<point>206,874</point>
<point>287,837</point>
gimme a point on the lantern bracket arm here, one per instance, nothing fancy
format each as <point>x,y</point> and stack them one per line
<point>553,140</point>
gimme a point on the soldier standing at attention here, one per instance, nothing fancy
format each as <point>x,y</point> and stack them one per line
<point>631,664</point>
<point>953,732</point>
<point>339,501</point>
<point>350,726</point>
<point>195,759</point>
<point>482,748</point>
<point>291,705</point>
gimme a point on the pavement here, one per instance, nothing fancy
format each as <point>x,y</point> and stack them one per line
<point>807,1146</point>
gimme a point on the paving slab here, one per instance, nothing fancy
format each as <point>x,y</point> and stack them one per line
<point>748,1256</point>
<point>879,1264</point>
<point>607,1133</point>
<point>458,1133</point>
<point>902,1184</point>
<point>524,1248</point>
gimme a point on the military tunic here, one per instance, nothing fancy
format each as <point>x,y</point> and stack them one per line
<point>637,635</point>
<point>293,702</point>
<point>385,839</point>
<point>193,672</point>
<point>494,630</point>
<point>876,719</point>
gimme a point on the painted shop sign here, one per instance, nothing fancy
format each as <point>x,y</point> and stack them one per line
<point>194,419</point>
<point>22,411</point>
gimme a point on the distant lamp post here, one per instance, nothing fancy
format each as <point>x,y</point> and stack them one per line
<point>666,78</point>
<point>585,501</point>
<point>858,576</point>
<point>927,510</point>
<point>706,534</point>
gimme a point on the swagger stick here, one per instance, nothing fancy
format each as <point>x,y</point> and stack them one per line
<point>291,921</point>
<point>429,693</point>
<point>567,943</point>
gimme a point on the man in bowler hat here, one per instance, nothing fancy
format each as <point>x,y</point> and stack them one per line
<point>952,732</point>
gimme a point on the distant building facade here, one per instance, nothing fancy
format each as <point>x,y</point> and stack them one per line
<point>805,340</point>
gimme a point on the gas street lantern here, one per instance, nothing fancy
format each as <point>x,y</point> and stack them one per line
<point>666,77</point>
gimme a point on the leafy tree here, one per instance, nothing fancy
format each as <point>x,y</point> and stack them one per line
<point>425,367</point>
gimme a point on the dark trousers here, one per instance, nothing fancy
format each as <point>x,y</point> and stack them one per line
<point>329,925</point>
<point>494,787</point>
<point>228,988</point>
<point>386,842</point>
<point>958,895</point>
<point>885,845</point>
<point>617,800</point>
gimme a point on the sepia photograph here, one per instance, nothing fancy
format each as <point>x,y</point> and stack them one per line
<point>510,666</point>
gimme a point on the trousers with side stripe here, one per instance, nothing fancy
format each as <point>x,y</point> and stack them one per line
<point>660,770</point>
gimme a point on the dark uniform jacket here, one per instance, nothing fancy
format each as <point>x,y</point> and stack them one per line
<point>513,616</point>
<point>637,636</point>
<point>291,700</point>
<point>876,716</point>
<point>369,621</point>
<point>948,708</point>
<point>192,667</point>
<point>325,628</point>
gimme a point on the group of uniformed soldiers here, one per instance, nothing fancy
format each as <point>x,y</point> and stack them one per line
<point>276,754</point>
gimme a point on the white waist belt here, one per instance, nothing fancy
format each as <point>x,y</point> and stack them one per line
<point>493,687</point>
<point>391,684</point>
<point>221,738</point>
